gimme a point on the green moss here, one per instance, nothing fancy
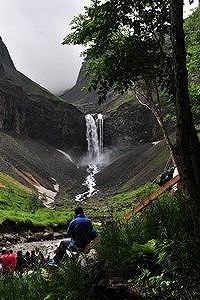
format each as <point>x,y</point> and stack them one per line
<point>121,101</point>
<point>151,165</point>
<point>42,91</point>
<point>119,203</point>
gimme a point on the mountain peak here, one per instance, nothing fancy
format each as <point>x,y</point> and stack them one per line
<point>5,58</point>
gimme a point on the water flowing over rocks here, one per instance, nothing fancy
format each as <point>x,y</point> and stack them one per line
<point>94,159</point>
<point>102,282</point>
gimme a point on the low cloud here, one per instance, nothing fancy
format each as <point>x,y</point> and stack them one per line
<point>33,32</point>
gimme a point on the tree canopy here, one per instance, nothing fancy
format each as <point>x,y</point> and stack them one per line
<point>143,40</point>
<point>126,42</point>
<point>192,34</point>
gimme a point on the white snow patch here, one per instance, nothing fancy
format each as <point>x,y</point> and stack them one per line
<point>48,194</point>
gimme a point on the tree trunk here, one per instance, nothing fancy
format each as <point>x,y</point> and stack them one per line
<point>187,143</point>
<point>158,115</point>
<point>167,139</point>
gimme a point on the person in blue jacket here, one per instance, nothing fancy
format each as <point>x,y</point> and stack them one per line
<point>81,232</point>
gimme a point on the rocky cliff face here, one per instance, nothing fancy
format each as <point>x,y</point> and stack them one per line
<point>85,101</point>
<point>28,109</point>
<point>131,124</point>
<point>128,124</point>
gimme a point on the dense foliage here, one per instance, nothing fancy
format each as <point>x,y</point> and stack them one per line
<point>126,42</point>
<point>192,34</point>
<point>66,283</point>
<point>156,250</point>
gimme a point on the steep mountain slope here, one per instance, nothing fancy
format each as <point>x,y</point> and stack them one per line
<point>34,125</point>
<point>77,97</point>
<point>35,163</point>
<point>28,109</point>
<point>129,132</point>
<point>141,164</point>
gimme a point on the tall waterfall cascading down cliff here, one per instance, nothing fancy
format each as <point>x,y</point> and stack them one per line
<point>94,157</point>
<point>94,136</point>
<point>92,139</point>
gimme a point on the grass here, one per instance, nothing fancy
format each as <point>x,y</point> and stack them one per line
<point>68,282</point>
<point>121,101</point>
<point>20,204</point>
<point>155,250</point>
<point>122,201</point>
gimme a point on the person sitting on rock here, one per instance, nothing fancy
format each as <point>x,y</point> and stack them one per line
<point>40,260</point>
<point>21,266</point>
<point>81,232</point>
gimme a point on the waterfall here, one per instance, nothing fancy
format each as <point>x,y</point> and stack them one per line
<point>94,140</point>
<point>94,136</point>
<point>100,127</point>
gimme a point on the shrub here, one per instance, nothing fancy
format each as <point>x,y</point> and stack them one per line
<point>157,249</point>
<point>68,282</point>
<point>32,287</point>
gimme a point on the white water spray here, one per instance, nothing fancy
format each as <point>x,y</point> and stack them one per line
<point>94,136</point>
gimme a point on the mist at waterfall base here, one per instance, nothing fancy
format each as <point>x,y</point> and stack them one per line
<point>96,156</point>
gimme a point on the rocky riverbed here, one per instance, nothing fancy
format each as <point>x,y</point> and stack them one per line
<point>46,247</point>
<point>46,242</point>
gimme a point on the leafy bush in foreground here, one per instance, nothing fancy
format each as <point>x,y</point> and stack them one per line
<point>68,282</point>
<point>33,287</point>
<point>156,249</point>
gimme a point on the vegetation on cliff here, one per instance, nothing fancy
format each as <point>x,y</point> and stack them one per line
<point>129,47</point>
<point>156,252</point>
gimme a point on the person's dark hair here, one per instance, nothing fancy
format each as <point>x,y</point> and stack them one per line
<point>79,211</point>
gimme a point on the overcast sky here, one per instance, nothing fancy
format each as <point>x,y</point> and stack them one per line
<point>33,31</point>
